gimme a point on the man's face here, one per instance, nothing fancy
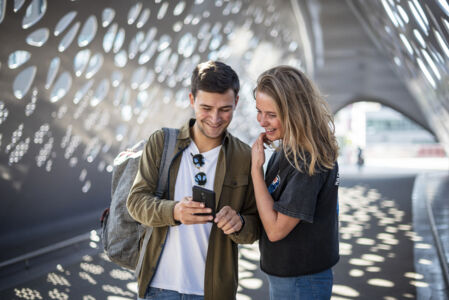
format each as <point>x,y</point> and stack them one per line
<point>213,112</point>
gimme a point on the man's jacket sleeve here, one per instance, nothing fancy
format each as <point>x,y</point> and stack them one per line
<point>142,203</point>
<point>251,230</point>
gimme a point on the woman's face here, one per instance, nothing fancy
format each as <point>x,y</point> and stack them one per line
<point>267,116</point>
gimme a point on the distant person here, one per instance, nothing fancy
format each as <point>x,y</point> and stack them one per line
<point>297,201</point>
<point>360,158</point>
<point>191,256</point>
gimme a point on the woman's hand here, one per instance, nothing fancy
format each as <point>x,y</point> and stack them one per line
<point>258,153</point>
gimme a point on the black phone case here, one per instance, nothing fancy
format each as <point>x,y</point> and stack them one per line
<point>206,196</point>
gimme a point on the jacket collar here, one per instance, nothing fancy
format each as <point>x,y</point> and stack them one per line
<point>184,132</point>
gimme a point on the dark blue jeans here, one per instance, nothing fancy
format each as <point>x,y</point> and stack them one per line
<point>316,286</point>
<point>161,294</point>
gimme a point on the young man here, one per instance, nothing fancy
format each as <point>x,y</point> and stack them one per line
<point>192,256</point>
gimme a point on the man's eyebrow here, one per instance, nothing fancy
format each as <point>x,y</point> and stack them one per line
<point>221,107</point>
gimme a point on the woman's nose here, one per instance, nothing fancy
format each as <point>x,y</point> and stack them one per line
<point>262,121</point>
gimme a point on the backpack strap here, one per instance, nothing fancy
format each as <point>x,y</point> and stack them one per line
<point>170,135</point>
<point>167,156</point>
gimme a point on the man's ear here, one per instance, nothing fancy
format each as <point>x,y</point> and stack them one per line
<point>236,101</point>
<point>192,99</point>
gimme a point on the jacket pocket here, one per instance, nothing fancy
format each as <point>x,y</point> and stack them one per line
<point>234,191</point>
<point>236,181</point>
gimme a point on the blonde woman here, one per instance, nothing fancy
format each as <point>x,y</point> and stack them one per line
<point>297,199</point>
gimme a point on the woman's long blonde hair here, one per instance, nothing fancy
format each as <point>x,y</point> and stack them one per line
<point>308,125</point>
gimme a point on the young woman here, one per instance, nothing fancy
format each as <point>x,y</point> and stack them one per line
<point>297,200</point>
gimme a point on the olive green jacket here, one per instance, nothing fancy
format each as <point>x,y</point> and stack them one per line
<point>232,186</point>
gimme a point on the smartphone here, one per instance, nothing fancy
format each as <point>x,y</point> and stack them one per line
<point>206,196</point>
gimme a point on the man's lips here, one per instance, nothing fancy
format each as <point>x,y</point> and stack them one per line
<point>214,126</point>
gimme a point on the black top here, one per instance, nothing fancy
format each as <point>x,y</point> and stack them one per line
<point>312,246</point>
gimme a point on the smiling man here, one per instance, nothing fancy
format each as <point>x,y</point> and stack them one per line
<point>191,256</point>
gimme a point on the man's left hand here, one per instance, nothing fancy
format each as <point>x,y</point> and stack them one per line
<point>228,220</point>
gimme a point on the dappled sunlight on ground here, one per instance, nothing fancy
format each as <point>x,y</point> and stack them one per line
<point>376,244</point>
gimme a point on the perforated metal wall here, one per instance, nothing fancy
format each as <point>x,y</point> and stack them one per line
<point>80,80</point>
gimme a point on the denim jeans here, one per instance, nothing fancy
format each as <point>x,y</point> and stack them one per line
<point>316,286</point>
<point>161,294</point>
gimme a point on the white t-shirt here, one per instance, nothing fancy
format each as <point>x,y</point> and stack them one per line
<point>182,263</point>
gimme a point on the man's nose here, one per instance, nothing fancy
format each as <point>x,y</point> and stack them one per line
<point>215,116</point>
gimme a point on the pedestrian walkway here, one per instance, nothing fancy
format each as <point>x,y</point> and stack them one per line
<point>377,254</point>
<point>376,239</point>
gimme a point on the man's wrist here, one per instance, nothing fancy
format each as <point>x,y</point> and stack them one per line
<point>241,220</point>
<point>175,214</point>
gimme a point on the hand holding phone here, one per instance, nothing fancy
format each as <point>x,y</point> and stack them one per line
<point>205,196</point>
<point>188,212</point>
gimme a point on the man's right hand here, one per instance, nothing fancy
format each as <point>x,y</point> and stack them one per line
<point>186,209</point>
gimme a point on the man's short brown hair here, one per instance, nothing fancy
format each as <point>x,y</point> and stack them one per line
<point>214,77</point>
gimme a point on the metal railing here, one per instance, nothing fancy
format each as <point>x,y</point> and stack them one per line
<point>26,257</point>
<point>438,244</point>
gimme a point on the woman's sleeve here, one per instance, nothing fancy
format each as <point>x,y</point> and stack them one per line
<point>298,196</point>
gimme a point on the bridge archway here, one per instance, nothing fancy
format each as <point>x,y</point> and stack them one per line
<point>410,111</point>
<point>385,136</point>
